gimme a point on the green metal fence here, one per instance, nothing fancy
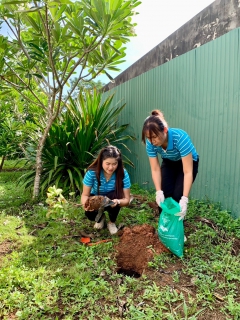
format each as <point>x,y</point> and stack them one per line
<point>200,93</point>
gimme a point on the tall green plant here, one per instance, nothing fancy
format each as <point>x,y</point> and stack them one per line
<point>75,139</point>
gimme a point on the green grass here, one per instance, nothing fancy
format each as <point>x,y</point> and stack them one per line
<point>46,273</point>
<point>13,165</point>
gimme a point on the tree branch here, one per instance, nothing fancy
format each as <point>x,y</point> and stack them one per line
<point>17,88</point>
<point>58,104</point>
<point>46,25</point>
<point>18,38</point>
<point>75,85</point>
<point>66,66</point>
<point>90,48</point>
<point>26,85</point>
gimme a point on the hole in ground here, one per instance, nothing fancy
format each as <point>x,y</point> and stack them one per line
<point>136,248</point>
<point>129,273</point>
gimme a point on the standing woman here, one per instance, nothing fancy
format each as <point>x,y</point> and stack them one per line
<point>106,176</point>
<point>179,167</point>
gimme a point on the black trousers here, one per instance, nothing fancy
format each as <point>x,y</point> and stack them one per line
<point>172,178</point>
<point>112,212</point>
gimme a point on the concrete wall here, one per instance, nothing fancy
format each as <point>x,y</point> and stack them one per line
<point>214,21</point>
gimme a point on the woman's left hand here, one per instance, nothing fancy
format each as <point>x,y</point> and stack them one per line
<point>183,205</point>
<point>116,202</point>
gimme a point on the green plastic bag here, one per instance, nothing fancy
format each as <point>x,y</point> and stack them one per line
<point>170,229</point>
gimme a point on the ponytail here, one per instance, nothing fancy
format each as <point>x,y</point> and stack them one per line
<point>159,114</point>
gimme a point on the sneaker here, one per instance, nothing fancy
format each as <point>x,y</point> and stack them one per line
<point>99,225</point>
<point>112,228</point>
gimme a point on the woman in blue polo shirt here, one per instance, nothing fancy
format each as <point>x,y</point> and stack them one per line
<point>106,176</point>
<point>179,167</point>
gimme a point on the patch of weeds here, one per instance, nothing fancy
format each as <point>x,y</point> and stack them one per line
<point>136,189</point>
<point>160,261</point>
<point>14,165</point>
<point>176,276</point>
<point>232,307</point>
<point>221,218</point>
<point>14,230</point>
<point>206,286</point>
<point>141,216</point>
<point>11,196</point>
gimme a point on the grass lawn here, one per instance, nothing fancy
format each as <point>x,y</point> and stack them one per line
<point>47,273</point>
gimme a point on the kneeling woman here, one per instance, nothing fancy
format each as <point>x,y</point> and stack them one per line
<point>107,177</point>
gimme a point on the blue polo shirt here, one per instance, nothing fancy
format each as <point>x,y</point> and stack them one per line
<point>179,146</point>
<point>90,180</point>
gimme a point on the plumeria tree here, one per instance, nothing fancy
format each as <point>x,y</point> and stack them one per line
<point>49,42</point>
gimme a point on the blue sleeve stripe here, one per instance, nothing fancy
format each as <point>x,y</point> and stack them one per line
<point>151,150</point>
<point>184,140</point>
<point>187,152</point>
<point>87,182</point>
<point>184,148</point>
<point>89,178</point>
<point>152,155</point>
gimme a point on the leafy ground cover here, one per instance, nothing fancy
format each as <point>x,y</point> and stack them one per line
<point>47,273</point>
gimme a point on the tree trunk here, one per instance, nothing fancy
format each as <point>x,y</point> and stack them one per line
<point>2,162</point>
<point>36,188</point>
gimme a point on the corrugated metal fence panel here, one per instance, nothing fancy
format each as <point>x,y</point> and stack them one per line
<point>198,92</point>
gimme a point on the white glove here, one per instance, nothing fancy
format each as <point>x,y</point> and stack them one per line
<point>159,197</point>
<point>183,205</point>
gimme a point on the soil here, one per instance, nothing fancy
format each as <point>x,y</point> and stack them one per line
<point>136,248</point>
<point>5,248</point>
<point>94,202</point>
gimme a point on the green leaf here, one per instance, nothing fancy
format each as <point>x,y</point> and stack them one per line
<point>37,75</point>
<point>30,10</point>
<point>54,3</point>
<point>109,76</point>
<point>115,49</point>
<point>32,22</point>
<point>15,2</point>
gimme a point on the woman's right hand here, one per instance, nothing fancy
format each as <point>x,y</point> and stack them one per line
<point>84,199</point>
<point>159,197</point>
<point>87,207</point>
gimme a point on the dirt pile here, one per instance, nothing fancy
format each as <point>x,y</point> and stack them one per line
<point>136,248</point>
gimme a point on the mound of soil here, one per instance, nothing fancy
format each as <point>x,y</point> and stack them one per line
<point>136,248</point>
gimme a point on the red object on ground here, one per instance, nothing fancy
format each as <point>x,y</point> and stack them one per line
<point>85,240</point>
<point>88,242</point>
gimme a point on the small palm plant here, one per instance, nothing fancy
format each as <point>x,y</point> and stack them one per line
<point>88,124</point>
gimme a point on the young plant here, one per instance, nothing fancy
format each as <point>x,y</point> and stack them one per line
<point>58,205</point>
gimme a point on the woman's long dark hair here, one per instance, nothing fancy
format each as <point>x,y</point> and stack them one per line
<point>110,152</point>
<point>154,125</point>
